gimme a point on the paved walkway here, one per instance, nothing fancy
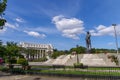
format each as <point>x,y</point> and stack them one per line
<point>30,77</point>
<point>4,74</point>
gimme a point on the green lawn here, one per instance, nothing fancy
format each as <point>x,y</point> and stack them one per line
<point>89,68</point>
<point>103,68</point>
<point>81,72</point>
<point>70,70</point>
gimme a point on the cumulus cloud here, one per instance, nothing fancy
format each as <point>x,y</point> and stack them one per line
<point>102,30</point>
<point>19,20</point>
<point>35,34</point>
<point>47,30</point>
<point>70,27</point>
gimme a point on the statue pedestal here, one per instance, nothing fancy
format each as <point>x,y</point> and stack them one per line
<point>88,51</point>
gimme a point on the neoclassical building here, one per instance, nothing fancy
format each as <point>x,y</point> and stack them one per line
<point>36,51</point>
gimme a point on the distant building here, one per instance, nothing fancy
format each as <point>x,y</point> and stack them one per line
<point>36,51</point>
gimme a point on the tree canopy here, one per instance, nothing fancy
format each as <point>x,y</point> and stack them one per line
<point>3,4</point>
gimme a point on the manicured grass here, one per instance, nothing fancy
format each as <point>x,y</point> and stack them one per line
<point>103,68</point>
<point>70,70</point>
<point>81,72</point>
<point>89,68</point>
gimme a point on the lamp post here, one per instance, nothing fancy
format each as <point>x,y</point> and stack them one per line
<point>116,41</point>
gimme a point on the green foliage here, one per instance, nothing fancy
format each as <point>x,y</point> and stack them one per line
<point>78,64</point>
<point>9,52</point>
<point>79,49</point>
<point>3,4</point>
<point>22,61</point>
<point>83,72</point>
<point>11,61</point>
<point>114,59</point>
<point>21,56</point>
<point>40,60</point>
<point>2,51</point>
<point>2,22</point>
<point>3,69</point>
<point>56,54</point>
<point>12,49</point>
<point>93,50</point>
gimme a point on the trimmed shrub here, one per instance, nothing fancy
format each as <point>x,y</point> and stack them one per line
<point>22,61</point>
<point>40,60</point>
<point>4,69</point>
<point>11,61</point>
<point>78,65</point>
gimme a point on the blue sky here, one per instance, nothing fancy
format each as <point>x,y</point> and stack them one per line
<point>63,23</point>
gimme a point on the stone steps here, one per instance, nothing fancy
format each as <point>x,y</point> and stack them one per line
<point>108,61</point>
<point>62,61</point>
<point>86,59</point>
<point>73,59</point>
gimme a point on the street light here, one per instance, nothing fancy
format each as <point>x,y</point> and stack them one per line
<point>114,25</point>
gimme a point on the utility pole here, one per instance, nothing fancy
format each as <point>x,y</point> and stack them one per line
<point>116,41</point>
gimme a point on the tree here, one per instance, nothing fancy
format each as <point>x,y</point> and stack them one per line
<point>78,49</point>
<point>93,50</point>
<point>81,49</point>
<point>12,51</point>
<point>3,4</point>
<point>57,53</point>
<point>12,48</point>
<point>2,50</point>
<point>22,61</point>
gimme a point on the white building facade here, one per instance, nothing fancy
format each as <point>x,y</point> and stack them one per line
<point>36,51</point>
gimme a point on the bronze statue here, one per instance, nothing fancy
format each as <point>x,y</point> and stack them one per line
<point>88,42</point>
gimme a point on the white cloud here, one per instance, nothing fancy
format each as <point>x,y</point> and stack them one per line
<point>100,27</point>
<point>35,34</point>
<point>16,24</point>
<point>3,30</point>
<point>47,30</point>
<point>70,27</point>
<point>104,30</point>
<point>10,25</point>
<point>110,43</point>
<point>19,20</point>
